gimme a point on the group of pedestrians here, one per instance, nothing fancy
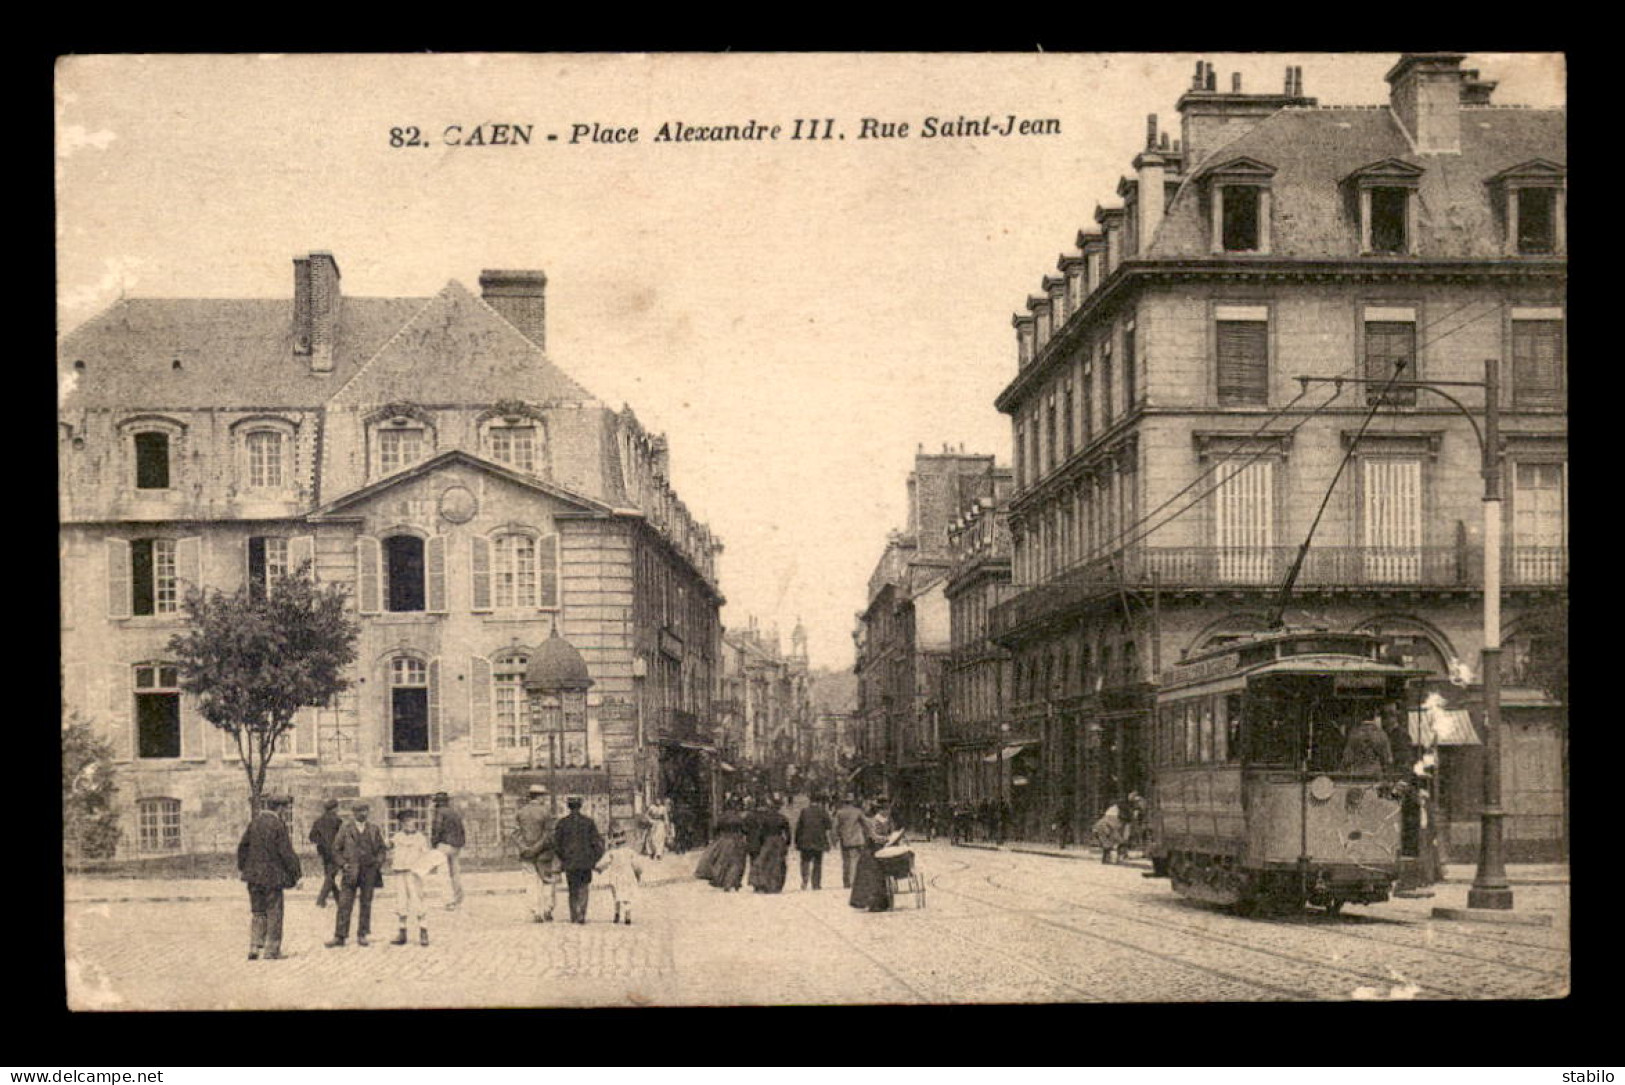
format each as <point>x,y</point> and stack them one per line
<point>573,847</point>
<point>987,821</point>
<point>753,837</point>
<point>354,855</point>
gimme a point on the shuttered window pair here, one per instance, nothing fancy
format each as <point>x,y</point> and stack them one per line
<point>498,710</point>
<point>514,571</point>
<point>268,557</point>
<point>401,574</point>
<point>151,576</point>
<point>1243,362</point>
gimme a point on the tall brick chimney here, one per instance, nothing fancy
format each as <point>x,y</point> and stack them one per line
<point>316,301</point>
<point>1151,166</point>
<point>521,298</point>
<point>1425,95</point>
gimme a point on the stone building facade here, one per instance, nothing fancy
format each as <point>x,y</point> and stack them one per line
<point>903,636</point>
<point>426,455</point>
<point>766,696</point>
<point>978,744</point>
<point>1168,464</point>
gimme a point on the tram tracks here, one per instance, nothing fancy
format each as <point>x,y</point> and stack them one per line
<point>1432,985</point>
<point>1422,943</point>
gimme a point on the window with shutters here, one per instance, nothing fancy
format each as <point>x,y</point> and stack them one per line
<point>403,573</point>
<point>1067,424</point>
<point>409,705</point>
<point>154,584</point>
<point>1244,521</point>
<point>1243,357</point>
<point>267,561</point>
<point>158,825</point>
<point>1088,426</point>
<point>157,711</point>
<point>1051,437</point>
<point>1107,372</point>
<point>1537,362</point>
<point>512,712</point>
<point>1390,354</point>
<point>514,571</point>
<point>1538,523</point>
<point>1392,520</point>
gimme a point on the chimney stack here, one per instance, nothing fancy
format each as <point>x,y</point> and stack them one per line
<point>1425,92</point>
<point>1151,168</point>
<point>1150,131</point>
<point>521,298</point>
<point>315,309</point>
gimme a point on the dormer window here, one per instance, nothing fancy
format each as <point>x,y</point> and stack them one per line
<point>1384,201</point>
<point>1537,220</point>
<point>1389,220</point>
<point>1239,200</point>
<point>1533,202</point>
<point>398,448</point>
<point>1240,205</point>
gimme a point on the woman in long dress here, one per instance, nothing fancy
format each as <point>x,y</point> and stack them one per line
<point>728,862</point>
<point>868,883</point>
<point>767,869</point>
<point>659,826</point>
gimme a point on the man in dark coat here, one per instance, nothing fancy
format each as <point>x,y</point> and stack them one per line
<point>1367,750</point>
<point>361,851</point>
<point>448,837</point>
<point>267,863</point>
<point>579,846</point>
<point>849,829</point>
<point>323,833</point>
<point>814,832</point>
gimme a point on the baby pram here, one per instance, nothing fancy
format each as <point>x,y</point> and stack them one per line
<point>897,869</point>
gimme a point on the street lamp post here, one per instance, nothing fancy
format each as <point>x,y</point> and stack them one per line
<point>1490,889</point>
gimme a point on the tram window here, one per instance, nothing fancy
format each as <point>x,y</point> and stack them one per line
<point>1207,729</point>
<point>1232,726</point>
<point>1191,737</point>
<point>1220,747</point>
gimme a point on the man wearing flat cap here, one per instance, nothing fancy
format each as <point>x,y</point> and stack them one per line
<point>323,833</point>
<point>448,838</point>
<point>266,860</point>
<point>361,851</point>
<point>579,845</point>
<point>534,837</point>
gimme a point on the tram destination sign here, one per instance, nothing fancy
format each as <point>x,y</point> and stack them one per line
<point>1199,669</point>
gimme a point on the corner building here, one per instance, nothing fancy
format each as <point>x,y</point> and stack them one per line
<point>1159,499</point>
<point>473,500</point>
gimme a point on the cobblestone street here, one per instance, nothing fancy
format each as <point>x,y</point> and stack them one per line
<point>999,926</point>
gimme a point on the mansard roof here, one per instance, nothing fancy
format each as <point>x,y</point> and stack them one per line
<point>1318,148</point>
<point>340,505</point>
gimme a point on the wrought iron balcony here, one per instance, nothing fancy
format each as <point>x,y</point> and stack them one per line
<point>1265,568</point>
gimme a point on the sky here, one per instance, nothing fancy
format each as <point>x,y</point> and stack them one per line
<point>798,316</point>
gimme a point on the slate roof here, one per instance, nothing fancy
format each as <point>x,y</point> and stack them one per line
<point>457,349</point>
<point>233,352</point>
<point>1313,150</point>
<point>451,348</point>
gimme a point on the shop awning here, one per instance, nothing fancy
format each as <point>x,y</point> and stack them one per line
<point>1443,727</point>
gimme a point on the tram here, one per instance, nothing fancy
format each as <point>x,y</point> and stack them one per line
<point>1250,804</point>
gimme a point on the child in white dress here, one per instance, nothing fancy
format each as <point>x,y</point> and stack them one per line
<point>410,859</point>
<point>620,870</point>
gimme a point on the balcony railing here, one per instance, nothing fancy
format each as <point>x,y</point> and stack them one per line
<point>1264,568</point>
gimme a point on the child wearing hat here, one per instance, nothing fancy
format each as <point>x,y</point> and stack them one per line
<point>620,870</point>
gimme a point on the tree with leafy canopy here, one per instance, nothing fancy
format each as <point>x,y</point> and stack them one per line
<point>255,658</point>
<point>89,819</point>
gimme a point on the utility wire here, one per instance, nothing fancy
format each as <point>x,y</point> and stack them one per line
<point>1124,540</point>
